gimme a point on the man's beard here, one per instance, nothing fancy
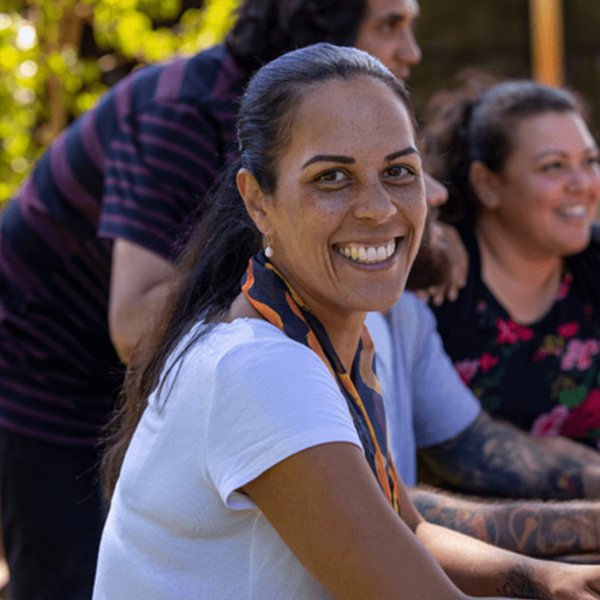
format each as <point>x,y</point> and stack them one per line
<point>432,264</point>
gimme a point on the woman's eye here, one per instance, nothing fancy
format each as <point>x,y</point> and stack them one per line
<point>553,166</point>
<point>593,161</point>
<point>333,176</point>
<point>398,171</point>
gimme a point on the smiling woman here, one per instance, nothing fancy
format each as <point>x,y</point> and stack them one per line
<point>259,467</point>
<point>525,333</point>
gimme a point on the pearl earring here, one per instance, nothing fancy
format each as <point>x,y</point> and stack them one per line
<point>268,251</point>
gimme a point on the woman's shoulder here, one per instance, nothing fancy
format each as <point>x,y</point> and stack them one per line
<point>244,344</point>
<point>247,354</point>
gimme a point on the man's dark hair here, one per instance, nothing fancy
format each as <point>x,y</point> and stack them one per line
<point>265,29</point>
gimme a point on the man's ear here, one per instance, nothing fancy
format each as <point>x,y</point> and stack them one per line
<point>254,199</point>
<point>485,185</point>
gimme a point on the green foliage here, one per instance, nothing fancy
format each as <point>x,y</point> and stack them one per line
<point>44,79</point>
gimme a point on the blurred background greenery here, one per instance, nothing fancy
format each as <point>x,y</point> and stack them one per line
<point>58,56</point>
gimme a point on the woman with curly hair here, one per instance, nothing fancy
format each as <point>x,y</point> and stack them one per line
<point>522,170</point>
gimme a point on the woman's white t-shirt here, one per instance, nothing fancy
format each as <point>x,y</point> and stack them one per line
<point>241,399</point>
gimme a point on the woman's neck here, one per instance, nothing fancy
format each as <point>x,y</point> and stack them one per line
<point>344,332</point>
<point>525,283</point>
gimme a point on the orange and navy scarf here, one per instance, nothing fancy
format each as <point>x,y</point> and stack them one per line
<point>278,303</point>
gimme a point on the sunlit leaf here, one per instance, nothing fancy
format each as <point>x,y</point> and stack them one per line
<point>34,48</point>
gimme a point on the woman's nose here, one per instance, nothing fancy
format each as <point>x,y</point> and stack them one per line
<point>375,203</point>
<point>583,179</point>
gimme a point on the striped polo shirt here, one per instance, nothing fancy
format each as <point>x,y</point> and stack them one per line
<point>134,167</point>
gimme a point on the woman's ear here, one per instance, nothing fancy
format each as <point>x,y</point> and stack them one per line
<point>254,199</point>
<point>485,185</point>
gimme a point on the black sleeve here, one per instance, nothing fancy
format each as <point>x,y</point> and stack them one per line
<point>455,320</point>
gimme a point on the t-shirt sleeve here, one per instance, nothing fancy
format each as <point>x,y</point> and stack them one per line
<point>158,169</point>
<point>275,399</point>
<point>443,406</point>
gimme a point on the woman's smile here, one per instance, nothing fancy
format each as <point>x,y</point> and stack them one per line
<point>368,254</point>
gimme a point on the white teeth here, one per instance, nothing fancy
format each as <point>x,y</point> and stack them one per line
<point>368,254</point>
<point>574,211</point>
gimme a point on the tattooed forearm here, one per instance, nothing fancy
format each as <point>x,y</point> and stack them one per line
<point>519,584</point>
<point>494,458</point>
<point>533,528</point>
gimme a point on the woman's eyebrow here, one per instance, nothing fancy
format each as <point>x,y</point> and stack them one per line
<point>346,160</point>
<point>395,155</point>
<point>589,150</point>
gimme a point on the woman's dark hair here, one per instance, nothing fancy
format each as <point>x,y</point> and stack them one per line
<point>217,254</point>
<point>476,122</point>
<point>265,29</point>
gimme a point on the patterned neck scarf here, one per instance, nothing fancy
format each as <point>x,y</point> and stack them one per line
<point>279,304</point>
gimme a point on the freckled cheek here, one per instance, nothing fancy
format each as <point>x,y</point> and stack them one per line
<point>415,209</point>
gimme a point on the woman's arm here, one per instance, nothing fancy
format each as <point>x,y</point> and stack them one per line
<point>327,506</point>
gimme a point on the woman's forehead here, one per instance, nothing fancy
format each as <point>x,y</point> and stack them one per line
<point>356,111</point>
<point>551,130</point>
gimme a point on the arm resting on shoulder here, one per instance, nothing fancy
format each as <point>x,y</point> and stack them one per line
<point>139,280</point>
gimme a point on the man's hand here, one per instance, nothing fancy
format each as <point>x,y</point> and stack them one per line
<point>456,275</point>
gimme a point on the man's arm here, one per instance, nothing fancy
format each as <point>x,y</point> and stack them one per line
<point>139,281</point>
<point>494,458</point>
<point>541,529</point>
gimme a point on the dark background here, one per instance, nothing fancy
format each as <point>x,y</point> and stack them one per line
<point>494,35</point>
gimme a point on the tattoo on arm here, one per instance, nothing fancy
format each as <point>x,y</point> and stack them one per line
<point>540,529</point>
<point>519,584</point>
<point>494,458</point>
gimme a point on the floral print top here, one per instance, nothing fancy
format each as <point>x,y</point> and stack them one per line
<point>544,377</point>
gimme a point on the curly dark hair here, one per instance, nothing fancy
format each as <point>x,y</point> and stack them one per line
<point>265,29</point>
